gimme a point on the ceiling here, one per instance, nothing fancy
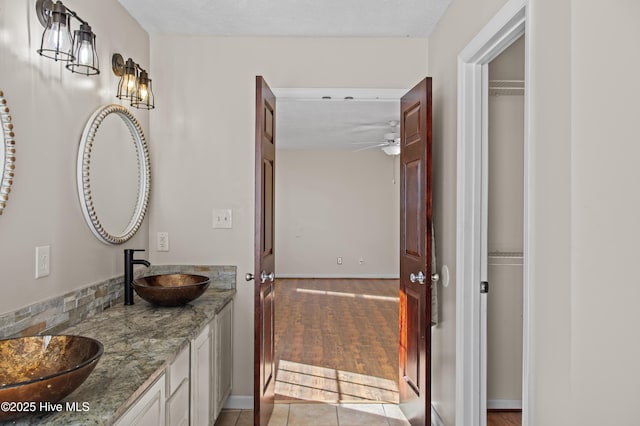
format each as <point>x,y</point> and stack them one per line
<point>305,121</point>
<point>306,18</point>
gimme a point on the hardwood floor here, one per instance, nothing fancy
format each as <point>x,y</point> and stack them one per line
<point>337,340</point>
<point>504,418</point>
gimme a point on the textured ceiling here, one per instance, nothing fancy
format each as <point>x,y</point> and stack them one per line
<point>306,18</point>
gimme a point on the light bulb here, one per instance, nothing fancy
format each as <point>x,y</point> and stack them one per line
<point>85,53</point>
<point>144,94</point>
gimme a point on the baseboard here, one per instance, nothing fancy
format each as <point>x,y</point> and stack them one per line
<point>365,276</point>
<point>239,402</point>
<point>504,404</point>
<point>436,420</point>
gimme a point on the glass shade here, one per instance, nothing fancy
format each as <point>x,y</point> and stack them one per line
<point>128,85</point>
<point>144,95</point>
<point>56,39</point>
<point>85,58</point>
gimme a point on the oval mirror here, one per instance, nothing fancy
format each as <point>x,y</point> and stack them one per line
<point>7,153</point>
<point>113,174</point>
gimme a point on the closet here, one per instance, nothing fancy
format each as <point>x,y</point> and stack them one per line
<point>505,229</point>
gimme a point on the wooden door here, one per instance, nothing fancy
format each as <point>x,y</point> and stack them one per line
<point>264,350</point>
<point>415,254</point>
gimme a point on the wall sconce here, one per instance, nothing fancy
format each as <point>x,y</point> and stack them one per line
<point>80,51</point>
<point>134,84</point>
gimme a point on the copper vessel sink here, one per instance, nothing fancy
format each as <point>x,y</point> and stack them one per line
<point>171,289</point>
<point>43,369</point>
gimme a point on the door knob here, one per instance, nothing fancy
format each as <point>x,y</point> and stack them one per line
<point>264,276</point>
<point>419,278</point>
<point>248,276</point>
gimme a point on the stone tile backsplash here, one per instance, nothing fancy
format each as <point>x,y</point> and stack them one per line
<point>69,309</point>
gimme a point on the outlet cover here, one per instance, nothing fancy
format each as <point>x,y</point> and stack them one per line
<point>43,261</point>
<point>162,241</point>
<point>222,218</point>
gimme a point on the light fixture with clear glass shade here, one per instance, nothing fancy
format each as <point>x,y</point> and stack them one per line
<point>84,52</point>
<point>57,43</point>
<point>144,95</point>
<point>134,84</point>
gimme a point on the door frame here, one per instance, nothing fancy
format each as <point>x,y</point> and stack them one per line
<point>500,32</point>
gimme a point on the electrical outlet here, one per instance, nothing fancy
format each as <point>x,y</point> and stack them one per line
<point>162,241</point>
<point>339,261</point>
<point>222,218</point>
<point>43,259</point>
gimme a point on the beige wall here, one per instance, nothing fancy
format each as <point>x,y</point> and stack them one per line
<point>605,290</point>
<point>50,106</point>
<point>584,356</point>
<point>332,203</point>
<point>203,130</point>
<point>462,21</point>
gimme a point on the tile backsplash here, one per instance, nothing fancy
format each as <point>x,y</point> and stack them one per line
<point>58,313</point>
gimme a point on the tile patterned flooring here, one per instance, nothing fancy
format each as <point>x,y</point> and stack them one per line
<point>314,414</point>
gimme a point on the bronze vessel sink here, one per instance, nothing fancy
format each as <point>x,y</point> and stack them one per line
<point>43,369</point>
<point>171,289</point>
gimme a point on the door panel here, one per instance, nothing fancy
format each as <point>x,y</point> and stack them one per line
<point>415,254</point>
<point>264,369</point>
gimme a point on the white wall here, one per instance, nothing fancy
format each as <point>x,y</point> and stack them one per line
<point>203,130</point>
<point>332,203</point>
<point>605,231</point>
<point>462,21</point>
<point>584,288</point>
<point>50,106</point>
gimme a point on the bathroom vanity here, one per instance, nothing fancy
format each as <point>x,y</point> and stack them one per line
<point>160,365</point>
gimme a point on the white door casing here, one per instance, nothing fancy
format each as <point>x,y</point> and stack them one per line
<point>502,30</point>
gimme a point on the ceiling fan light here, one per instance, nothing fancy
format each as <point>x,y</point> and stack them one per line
<point>391,149</point>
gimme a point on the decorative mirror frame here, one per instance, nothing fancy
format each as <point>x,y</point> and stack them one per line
<point>9,147</point>
<point>84,182</point>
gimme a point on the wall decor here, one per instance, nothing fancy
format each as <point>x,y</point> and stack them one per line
<point>113,174</point>
<point>7,153</point>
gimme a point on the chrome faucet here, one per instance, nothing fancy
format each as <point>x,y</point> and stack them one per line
<point>129,261</point>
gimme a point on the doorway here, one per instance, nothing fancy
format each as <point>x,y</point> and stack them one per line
<point>337,238</point>
<point>504,269</point>
<point>507,26</point>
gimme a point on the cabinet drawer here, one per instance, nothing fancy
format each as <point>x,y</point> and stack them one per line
<point>178,371</point>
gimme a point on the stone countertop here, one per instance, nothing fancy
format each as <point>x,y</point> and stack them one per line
<point>140,341</point>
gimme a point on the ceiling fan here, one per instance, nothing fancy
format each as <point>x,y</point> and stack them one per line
<point>391,144</point>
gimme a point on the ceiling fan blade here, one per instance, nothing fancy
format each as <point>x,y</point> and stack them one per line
<point>369,147</point>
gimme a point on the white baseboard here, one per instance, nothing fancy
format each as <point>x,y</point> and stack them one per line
<point>239,402</point>
<point>504,404</point>
<point>365,276</point>
<point>436,420</point>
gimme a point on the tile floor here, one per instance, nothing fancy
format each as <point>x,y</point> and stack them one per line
<point>315,414</point>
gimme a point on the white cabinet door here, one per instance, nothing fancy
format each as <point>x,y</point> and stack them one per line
<point>177,375</point>
<point>223,377</point>
<point>148,410</point>
<point>177,411</point>
<point>201,373</point>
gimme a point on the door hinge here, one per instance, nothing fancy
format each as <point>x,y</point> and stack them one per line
<point>484,286</point>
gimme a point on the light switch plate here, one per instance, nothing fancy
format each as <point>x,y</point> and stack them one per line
<point>43,260</point>
<point>162,241</point>
<point>222,218</point>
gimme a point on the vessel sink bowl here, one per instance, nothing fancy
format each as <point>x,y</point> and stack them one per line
<point>171,289</point>
<point>43,369</point>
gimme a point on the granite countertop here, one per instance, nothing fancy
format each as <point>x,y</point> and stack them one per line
<point>140,341</point>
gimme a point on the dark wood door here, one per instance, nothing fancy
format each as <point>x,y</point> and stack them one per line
<point>415,254</point>
<point>264,273</point>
